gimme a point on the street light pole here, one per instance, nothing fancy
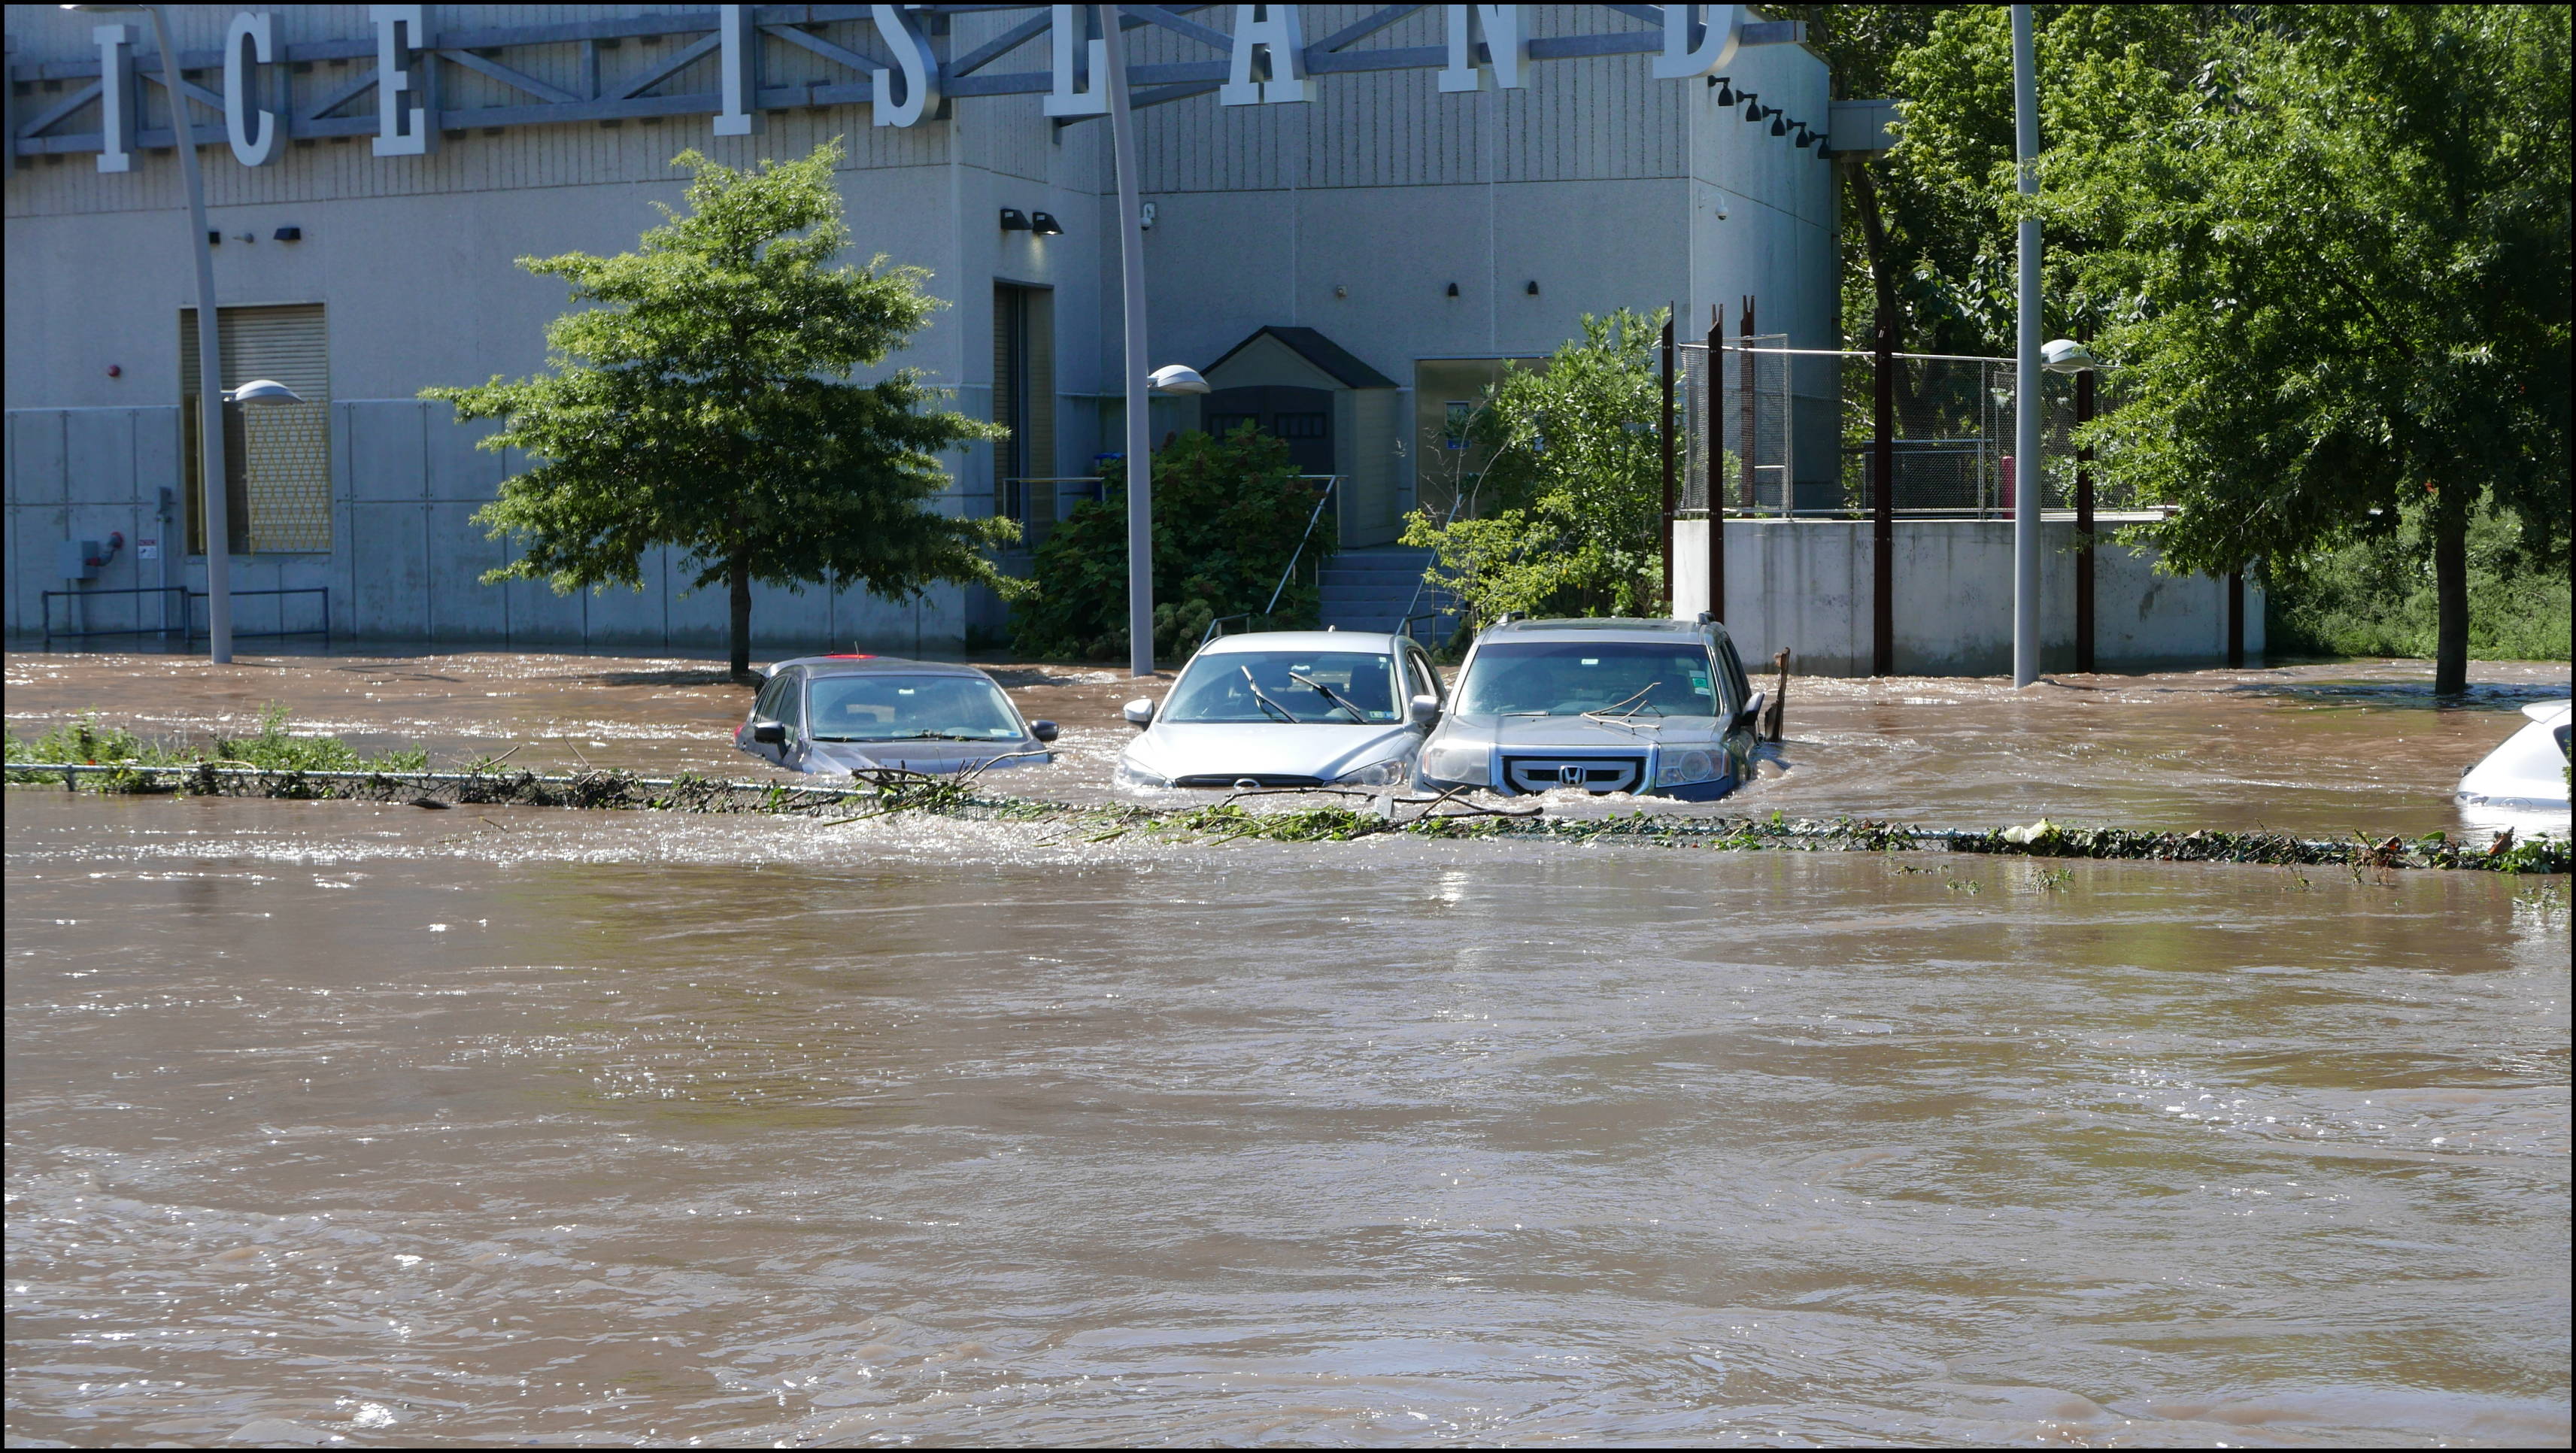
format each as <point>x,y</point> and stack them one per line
<point>2028,476</point>
<point>217,508</point>
<point>1131,256</point>
<point>216,511</point>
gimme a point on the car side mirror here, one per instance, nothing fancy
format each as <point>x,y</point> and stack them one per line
<point>1042,730</point>
<point>1140,712</point>
<point>1752,712</point>
<point>772,733</point>
<point>1423,710</point>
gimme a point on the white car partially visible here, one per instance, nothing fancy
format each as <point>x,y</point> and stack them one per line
<point>2529,770</point>
<point>1287,709</point>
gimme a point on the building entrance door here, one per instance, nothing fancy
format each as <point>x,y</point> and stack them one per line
<point>1302,418</point>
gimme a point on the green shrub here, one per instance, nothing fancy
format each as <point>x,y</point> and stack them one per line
<point>274,749</point>
<point>1572,502</point>
<point>2375,597</point>
<point>1228,517</point>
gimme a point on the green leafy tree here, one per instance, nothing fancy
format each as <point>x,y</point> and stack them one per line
<point>1230,515</point>
<point>702,401</point>
<point>2334,262</point>
<point>1575,485</point>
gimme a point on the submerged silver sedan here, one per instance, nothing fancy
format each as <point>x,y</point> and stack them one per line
<point>1287,709</point>
<point>861,713</point>
<point>1648,707</point>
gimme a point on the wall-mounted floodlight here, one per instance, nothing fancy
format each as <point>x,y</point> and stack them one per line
<point>2065,355</point>
<point>1175,378</point>
<point>1045,225</point>
<point>1779,126</point>
<point>1014,220</point>
<point>1725,89</point>
<point>262,391</point>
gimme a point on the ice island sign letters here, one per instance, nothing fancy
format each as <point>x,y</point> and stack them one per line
<point>1267,61</point>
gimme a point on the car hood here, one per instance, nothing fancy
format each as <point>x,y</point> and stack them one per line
<point>922,756</point>
<point>1561,733</point>
<point>1258,749</point>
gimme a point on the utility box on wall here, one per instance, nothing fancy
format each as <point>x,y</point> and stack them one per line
<point>77,560</point>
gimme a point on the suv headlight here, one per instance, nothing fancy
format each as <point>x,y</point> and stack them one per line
<point>1472,765</point>
<point>1375,774</point>
<point>1681,768</point>
<point>1136,778</point>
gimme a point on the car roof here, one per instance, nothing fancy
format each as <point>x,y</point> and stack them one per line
<point>859,665</point>
<point>1302,641</point>
<point>1593,628</point>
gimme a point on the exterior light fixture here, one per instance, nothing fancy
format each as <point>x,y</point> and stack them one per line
<point>1779,127</point>
<point>1045,225</point>
<point>1453,290</point>
<point>262,391</point>
<point>288,234</point>
<point>1533,287</point>
<point>2065,355</point>
<point>1176,378</point>
<point>1014,220</point>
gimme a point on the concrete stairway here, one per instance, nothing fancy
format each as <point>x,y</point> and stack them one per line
<point>1370,589</point>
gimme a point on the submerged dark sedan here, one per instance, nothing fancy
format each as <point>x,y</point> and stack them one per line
<point>870,713</point>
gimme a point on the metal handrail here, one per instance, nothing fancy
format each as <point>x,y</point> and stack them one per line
<point>324,630</point>
<point>1331,481</point>
<point>45,610</point>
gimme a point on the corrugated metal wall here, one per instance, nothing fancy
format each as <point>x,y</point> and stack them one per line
<point>1600,119</point>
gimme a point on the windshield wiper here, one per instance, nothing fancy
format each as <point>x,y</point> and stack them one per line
<point>1274,708</point>
<point>1613,716</point>
<point>1328,693</point>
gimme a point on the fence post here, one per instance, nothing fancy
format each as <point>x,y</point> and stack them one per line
<point>1664,434</point>
<point>1717,461</point>
<point>2236,617</point>
<point>1882,514</point>
<point>2084,527</point>
<point>1751,437</point>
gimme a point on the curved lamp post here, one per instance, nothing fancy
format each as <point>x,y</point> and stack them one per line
<point>210,398</point>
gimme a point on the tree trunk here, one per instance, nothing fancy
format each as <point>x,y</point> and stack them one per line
<point>741,618</point>
<point>1882,267</point>
<point>2451,592</point>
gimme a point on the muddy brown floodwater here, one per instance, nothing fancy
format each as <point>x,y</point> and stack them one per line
<point>2312,750</point>
<point>358,1124</point>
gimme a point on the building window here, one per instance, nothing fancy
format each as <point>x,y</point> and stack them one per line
<point>277,457</point>
<point>1024,403</point>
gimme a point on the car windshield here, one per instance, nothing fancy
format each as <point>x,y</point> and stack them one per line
<point>888,708</point>
<point>1286,687</point>
<point>1620,678</point>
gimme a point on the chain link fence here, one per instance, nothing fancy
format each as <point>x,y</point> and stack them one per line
<point>1953,419</point>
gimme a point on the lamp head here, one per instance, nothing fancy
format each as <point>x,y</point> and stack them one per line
<point>1174,378</point>
<point>262,391</point>
<point>2065,355</point>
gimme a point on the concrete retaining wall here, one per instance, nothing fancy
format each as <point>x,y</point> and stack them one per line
<point>1806,585</point>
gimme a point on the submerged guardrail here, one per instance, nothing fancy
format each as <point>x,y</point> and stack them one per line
<point>1333,819</point>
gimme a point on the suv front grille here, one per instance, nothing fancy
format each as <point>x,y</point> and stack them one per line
<point>1592,774</point>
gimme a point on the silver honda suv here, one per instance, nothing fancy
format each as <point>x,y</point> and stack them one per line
<point>1648,707</point>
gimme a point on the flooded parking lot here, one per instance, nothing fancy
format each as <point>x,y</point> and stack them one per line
<point>334,1121</point>
<point>2318,751</point>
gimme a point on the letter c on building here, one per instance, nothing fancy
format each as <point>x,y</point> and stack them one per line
<point>253,131</point>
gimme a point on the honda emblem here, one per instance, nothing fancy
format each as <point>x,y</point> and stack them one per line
<point>1571,776</point>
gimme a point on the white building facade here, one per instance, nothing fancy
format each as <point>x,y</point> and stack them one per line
<point>1444,187</point>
